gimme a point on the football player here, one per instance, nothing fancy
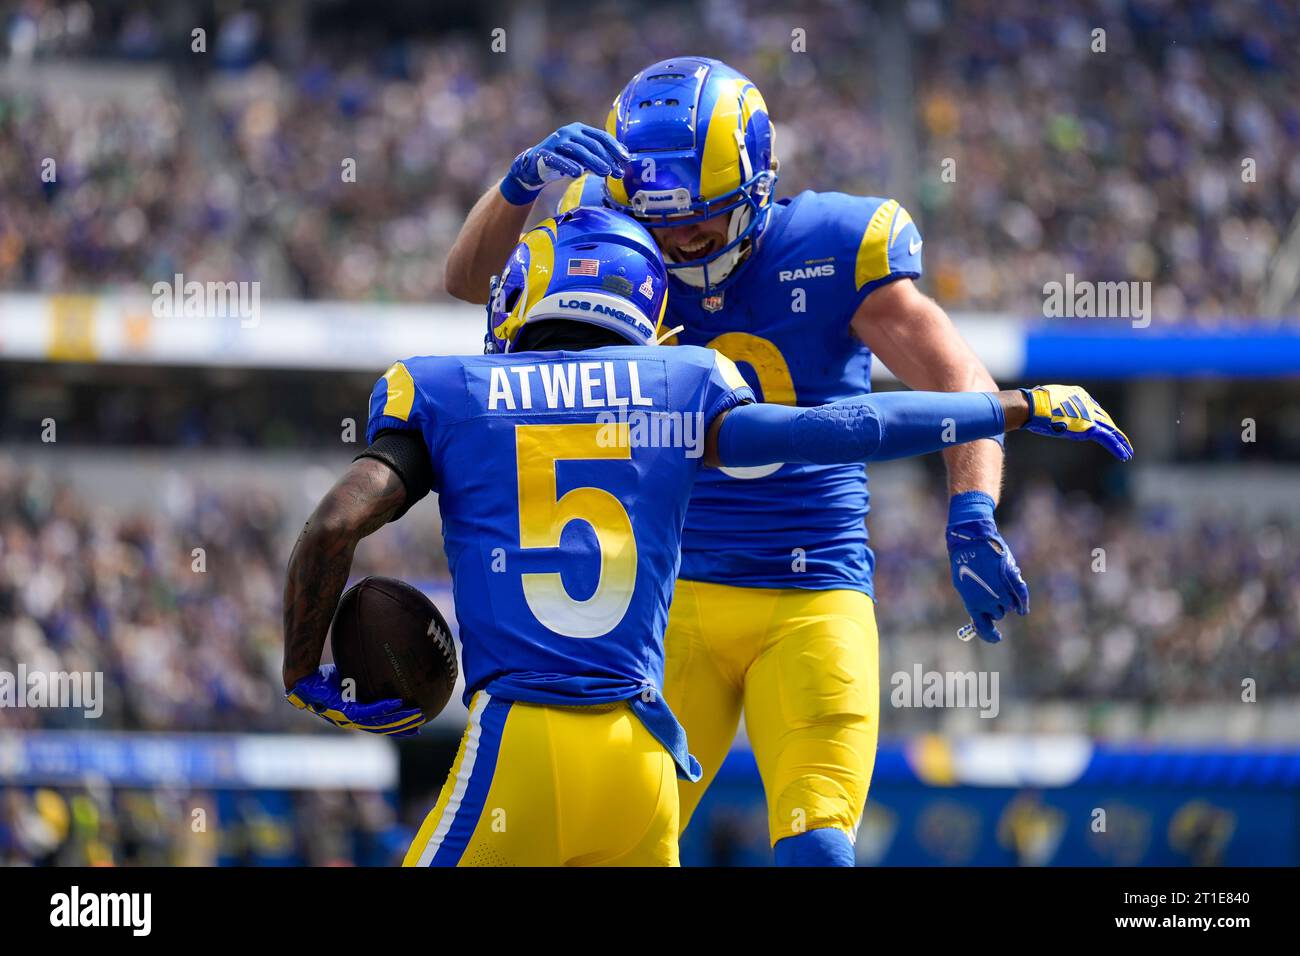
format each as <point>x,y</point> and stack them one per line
<point>774,609</point>
<point>563,462</point>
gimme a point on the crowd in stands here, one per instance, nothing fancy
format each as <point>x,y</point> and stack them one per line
<point>1163,149</point>
<point>1153,605</point>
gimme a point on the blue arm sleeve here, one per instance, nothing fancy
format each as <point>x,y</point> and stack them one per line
<point>865,428</point>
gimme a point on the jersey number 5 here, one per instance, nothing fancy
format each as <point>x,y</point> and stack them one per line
<point>543,517</point>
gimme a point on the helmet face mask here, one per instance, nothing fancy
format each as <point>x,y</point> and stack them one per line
<point>654,214</point>
<point>746,214</point>
<point>702,147</point>
<point>592,266</point>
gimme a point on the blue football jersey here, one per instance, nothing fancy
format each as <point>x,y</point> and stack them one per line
<point>785,322</point>
<point>563,480</point>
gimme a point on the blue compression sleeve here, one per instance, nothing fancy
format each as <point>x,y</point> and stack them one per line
<point>864,428</point>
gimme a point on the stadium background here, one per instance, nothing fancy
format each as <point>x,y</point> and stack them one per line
<point>1124,688</point>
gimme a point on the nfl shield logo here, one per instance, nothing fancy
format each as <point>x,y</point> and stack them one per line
<point>712,303</point>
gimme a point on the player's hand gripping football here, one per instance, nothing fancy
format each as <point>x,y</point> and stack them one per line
<point>322,694</point>
<point>1068,411</point>
<point>567,153</point>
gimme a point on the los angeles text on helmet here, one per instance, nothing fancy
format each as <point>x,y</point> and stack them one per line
<point>579,307</point>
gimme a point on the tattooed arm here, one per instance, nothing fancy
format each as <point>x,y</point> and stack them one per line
<point>360,503</point>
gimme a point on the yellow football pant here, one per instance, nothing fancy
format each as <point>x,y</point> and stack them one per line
<point>536,785</point>
<point>804,666</point>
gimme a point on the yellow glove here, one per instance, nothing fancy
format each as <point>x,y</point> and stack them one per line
<point>1068,411</point>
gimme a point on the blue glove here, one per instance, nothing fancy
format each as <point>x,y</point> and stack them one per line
<point>984,570</point>
<point>567,153</point>
<point>322,694</point>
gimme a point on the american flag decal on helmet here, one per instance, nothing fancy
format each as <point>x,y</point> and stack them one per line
<point>584,267</point>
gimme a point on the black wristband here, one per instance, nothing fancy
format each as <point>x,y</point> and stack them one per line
<point>406,454</point>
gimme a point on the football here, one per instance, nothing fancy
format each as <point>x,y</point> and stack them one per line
<point>394,643</point>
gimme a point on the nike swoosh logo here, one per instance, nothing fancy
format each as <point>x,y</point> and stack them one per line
<point>965,572</point>
<point>913,245</point>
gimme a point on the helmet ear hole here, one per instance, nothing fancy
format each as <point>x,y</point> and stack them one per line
<point>512,298</point>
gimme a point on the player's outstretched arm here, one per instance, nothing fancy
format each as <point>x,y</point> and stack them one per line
<point>490,231</point>
<point>863,428</point>
<point>493,226</point>
<point>904,424</point>
<point>368,495</point>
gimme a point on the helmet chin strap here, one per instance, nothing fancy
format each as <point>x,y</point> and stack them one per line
<point>667,334</point>
<point>721,267</point>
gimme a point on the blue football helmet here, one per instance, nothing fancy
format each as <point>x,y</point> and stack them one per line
<point>590,265</point>
<point>702,146</point>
